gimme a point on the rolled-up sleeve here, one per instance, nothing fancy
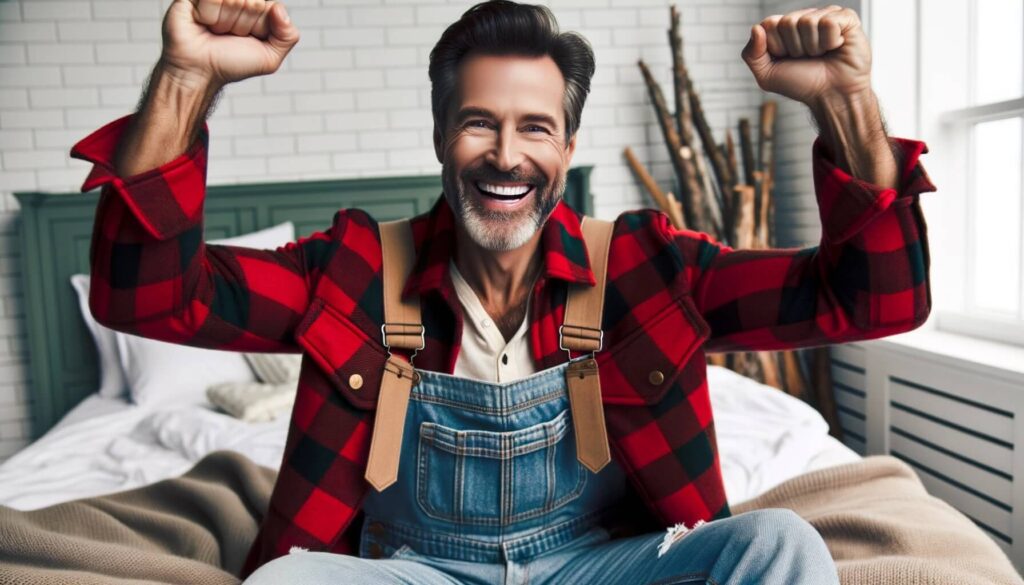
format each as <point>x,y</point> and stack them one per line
<point>867,278</point>
<point>153,275</point>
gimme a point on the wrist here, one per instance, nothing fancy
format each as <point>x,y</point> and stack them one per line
<point>186,91</point>
<point>184,80</point>
<point>184,97</point>
<point>854,134</point>
<point>831,104</point>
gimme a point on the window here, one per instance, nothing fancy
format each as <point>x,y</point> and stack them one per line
<point>963,67</point>
<point>991,128</point>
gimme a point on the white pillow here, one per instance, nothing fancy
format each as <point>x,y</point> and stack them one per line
<point>112,383</point>
<point>158,372</point>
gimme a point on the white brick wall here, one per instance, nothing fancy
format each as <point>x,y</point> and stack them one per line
<point>352,99</point>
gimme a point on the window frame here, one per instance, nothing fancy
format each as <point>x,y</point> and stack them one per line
<point>947,125</point>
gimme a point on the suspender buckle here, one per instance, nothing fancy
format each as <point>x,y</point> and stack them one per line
<point>583,338</point>
<point>405,331</point>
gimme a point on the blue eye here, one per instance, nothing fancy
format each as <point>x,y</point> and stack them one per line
<point>542,129</point>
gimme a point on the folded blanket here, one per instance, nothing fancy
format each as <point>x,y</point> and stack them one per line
<point>881,526</point>
<point>878,521</point>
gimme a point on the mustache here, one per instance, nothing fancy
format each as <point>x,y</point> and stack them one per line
<point>485,175</point>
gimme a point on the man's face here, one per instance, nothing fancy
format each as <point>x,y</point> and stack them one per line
<point>504,158</point>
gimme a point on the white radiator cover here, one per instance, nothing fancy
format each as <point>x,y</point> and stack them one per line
<point>956,423</point>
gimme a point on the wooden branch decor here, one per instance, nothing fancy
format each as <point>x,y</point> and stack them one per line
<point>674,211</point>
<point>747,150</point>
<point>718,163</point>
<point>682,160</point>
<point>679,75</point>
<point>726,191</point>
<point>767,157</point>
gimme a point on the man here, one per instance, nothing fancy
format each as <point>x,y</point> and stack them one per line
<point>489,487</point>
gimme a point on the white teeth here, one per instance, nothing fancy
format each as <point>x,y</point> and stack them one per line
<point>499,190</point>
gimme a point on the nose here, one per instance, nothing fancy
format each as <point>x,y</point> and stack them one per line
<point>506,153</point>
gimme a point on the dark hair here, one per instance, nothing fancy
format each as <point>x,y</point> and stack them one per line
<point>502,27</point>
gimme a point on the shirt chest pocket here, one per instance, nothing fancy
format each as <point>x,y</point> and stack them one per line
<point>494,478</point>
<point>352,361</point>
<point>655,355</point>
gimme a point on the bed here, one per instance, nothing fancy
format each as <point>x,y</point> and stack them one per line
<point>89,445</point>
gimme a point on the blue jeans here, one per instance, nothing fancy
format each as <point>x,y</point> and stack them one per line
<point>489,491</point>
<point>761,547</point>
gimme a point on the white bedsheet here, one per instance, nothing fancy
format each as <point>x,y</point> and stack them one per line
<point>105,445</point>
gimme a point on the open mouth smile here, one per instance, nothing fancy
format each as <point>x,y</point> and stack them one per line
<point>504,193</point>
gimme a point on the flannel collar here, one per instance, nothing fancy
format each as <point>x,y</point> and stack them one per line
<point>561,243</point>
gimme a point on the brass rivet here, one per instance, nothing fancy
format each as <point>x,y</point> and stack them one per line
<point>376,550</point>
<point>355,381</point>
<point>656,377</point>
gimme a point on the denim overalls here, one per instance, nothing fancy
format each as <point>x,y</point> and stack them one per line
<point>489,474</point>
<point>490,489</point>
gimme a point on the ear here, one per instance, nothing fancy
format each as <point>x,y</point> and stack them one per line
<point>438,145</point>
<point>571,149</point>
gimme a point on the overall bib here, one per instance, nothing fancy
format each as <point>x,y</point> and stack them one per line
<point>489,474</point>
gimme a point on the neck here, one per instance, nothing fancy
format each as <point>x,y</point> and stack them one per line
<point>501,280</point>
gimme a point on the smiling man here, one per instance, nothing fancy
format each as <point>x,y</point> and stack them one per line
<point>500,389</point>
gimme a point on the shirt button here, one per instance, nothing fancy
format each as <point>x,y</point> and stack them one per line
<point>375,550</point>
<point>656,377</point>
<point>375,528</point>
<point>355,381</point>
<point>485,323</point>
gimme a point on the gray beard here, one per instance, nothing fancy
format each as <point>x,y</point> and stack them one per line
<point>496,231</point>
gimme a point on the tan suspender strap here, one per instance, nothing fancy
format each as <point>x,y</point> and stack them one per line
<point>402,328</point>
<point>581,328</point>
<point>581,331</point>
<point>402,324</point>
<point>389,423</point>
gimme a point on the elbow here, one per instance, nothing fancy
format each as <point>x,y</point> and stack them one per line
<point>914,315</point>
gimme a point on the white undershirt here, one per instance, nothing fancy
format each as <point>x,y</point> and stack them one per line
<point>484,354</point>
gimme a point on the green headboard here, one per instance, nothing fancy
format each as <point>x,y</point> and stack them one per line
<point>56,231</point>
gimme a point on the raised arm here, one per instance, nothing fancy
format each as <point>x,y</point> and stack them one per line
<point>869,275</point>
<point>867,278</point>
<point>152,274</point>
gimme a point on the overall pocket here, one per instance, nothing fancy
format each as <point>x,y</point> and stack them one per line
<point>496,478</point>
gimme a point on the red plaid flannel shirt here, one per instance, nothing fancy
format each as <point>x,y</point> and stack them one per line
<point>672,295</point>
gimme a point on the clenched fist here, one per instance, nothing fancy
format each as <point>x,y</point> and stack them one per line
<point>810,54</point>
<point>217,42</point>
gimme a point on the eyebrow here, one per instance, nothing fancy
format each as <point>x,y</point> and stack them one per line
<point>471,111</point>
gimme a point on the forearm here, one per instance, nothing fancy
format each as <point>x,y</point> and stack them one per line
<point>170,115</point>
<point>853,129</point>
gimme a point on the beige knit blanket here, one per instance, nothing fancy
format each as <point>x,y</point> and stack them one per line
<point>878,522</point>
<point>881,526</point>
<point>195,529</point>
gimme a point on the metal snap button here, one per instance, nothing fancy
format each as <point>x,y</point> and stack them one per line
<point>355,381</point>
<point>656,377</point>
<point>375,550</point>
<point>375,528</point>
